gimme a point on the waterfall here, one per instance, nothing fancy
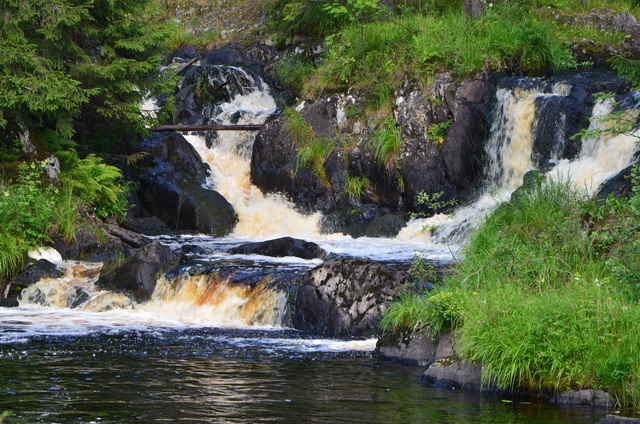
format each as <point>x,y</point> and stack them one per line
<point>529,131</point>
<point>228,154</point>
<point>205,299</point>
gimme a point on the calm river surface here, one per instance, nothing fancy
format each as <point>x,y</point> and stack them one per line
<point>194,375</point>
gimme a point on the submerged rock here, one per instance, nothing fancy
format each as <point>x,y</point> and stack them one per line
<point>10,290</point>
<point>587,397</point>
<point>284,246</point>
<point>615,419</point>
<point>346,297</point>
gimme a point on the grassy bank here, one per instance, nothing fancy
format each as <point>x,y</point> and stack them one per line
<point>546,297</point>
<point>374,53</point>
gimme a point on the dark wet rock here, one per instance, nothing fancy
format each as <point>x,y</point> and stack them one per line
<point>589,397</point>
<point>130,238</point>
<point>450,165</point>
<point>450,371</point>
<point>148,225</point>
<point>92,243</point>
<point>284,246</point>
<point>454,374</point>
<point>416,347</point>
<point>617,186</point>
<point>346,297</point>
<point>138,274</point>
<point>171,188</point>
<point>616,419</point>
<point>366,220</point>
<point>10,290</point>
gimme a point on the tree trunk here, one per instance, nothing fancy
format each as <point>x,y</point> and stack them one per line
<point>474,8</point>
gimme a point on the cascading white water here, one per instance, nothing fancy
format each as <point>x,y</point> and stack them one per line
<point>229,157</point>
<point>509,153</point>
<point>600,157</point>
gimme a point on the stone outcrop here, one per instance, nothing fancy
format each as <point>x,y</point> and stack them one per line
<point>416,347</point>
<point>448,163</point>
<point>171,188</point>
<point>346,297</point>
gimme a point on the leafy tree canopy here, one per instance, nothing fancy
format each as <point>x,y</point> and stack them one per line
<point>78,68</point>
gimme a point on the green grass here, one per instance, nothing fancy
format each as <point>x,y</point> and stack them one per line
<point>387,141</point>
<point>313,157</point>
<point>546,297</point>
<point>312,151</point>
<point>355,186</point>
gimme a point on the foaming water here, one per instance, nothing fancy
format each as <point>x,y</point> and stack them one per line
<point>229,158</point>
<point>509,153</point>
<point>600,157</point>
<point>213,300</point>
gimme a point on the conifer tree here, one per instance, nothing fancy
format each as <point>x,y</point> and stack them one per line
<point>78,69</point>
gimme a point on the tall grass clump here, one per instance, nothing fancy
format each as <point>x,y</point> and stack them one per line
<point>312,151</point>
<point>387,141</point>
<point>544,296</point>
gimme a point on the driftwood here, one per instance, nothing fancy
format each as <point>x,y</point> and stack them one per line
<point>187,66</point>
<point>182,128</point>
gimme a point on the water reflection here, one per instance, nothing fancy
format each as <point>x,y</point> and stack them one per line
<point>209,375</point>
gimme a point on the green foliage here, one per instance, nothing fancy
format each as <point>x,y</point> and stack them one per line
<point>355,186</point>
<point>27,207</point>
<point>313,157</point>
<point>440,311</point>
<point>78,68</point>
<point>66,213</point>
<point>617,239</point>
<point>312,151</point>
<point>433,203</point>
<point>302,17</point>
<point>98,185</point>
<point>436,131</point>
<point>387,141</point>
<point>546,296</point>
<point>627,68</point>
<point>299,128</point>
<point>620,121</point>
<point>292,73</point>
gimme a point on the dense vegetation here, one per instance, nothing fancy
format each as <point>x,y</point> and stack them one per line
<point>73,76</point>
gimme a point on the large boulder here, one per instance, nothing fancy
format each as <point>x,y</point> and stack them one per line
<point>346,297</point>
<point>138,274</point>
<point>450,164</point>
<point>281,247</point>
<point>171,188</point>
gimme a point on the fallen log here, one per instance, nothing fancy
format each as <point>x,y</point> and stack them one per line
<point>183,128</point>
